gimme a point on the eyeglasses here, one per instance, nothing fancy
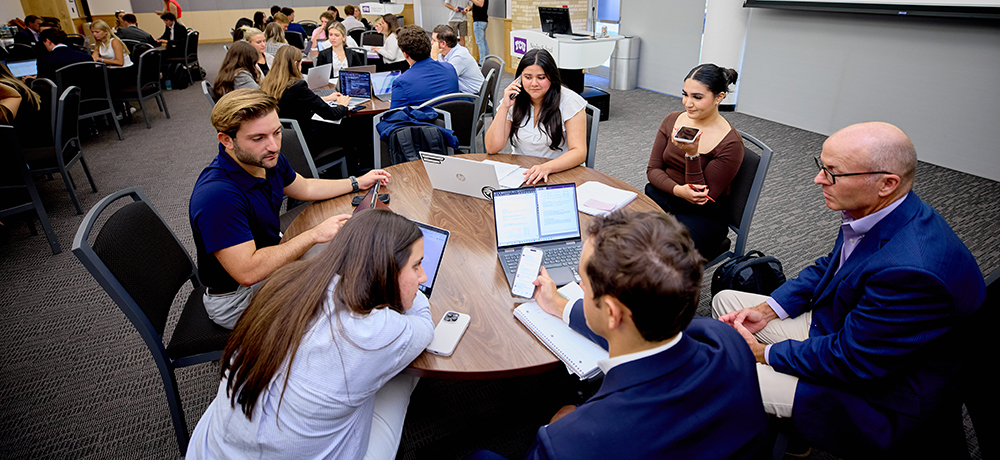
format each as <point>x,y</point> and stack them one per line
<point>832,178</point>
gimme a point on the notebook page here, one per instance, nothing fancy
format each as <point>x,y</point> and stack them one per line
<point>579,354</point>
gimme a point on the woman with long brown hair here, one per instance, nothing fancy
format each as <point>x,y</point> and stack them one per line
<point>310,371</point>
<point>390,52</point>
<point>239,69</point>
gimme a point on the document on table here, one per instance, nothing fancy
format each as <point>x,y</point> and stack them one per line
<point>578,353</point>
<point>508,175</point>
<point>597,199</point>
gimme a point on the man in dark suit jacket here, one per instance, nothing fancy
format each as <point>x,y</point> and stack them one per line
<point>59,55</point>
<point>877,323</point>
<point>174,35</point>
<point>29,36</point>
<point>129,30</point>
<point>673,387</point>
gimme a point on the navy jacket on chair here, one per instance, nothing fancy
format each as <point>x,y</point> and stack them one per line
<point>696,400</point>
<point>883,352</point>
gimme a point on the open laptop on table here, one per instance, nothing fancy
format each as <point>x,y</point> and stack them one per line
<point>477,179</point>
<point>318,77</point>
<point>357,85</point>
<point>542,216</point>
<point>22,68</point>
<point>382,84</point>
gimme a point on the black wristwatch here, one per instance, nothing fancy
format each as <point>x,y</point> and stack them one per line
<point>354,184</point>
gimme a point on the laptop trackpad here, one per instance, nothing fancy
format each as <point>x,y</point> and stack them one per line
<point>561,275</point>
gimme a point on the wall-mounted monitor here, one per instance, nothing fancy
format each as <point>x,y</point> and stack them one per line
<point>940,8</point>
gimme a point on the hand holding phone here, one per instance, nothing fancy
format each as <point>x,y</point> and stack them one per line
<point>527,271</point>
<point>448,332</point>
<point>686,134</point>
<point>515,88</point>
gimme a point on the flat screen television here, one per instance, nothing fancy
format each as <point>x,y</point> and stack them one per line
<point>555,20</point>
<point>988,9</point>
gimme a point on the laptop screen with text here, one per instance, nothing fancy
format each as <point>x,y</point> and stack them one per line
<point>356,84</point>
<point>536,214</point>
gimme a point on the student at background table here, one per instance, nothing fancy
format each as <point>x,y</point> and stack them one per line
<point>255,37</point>
<point>691,180</point>
<point>337,53</point>
<point>238,70</point>
<point>392,54</point>
<point>319,34</point>
<point>274,35</point>
<point>426,78</point>
<point>543,118</point>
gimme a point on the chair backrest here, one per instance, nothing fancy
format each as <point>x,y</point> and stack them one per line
<point>137,259</point>
<point>130,44</point>
<point>67,125</point>
<point>356,35</point>
<point>495,63</point>
<point>444,120</point>
<point>92,79</point>
<point>744,192</point>
<point>191,47</point>
<point>295,39</point>
<point>363,52</point>
<point>295,150</point>
<point>148,76</point>
<point>15,175</point>
<point>309,26</point>
<point>593,119</point>
<point>48,108</point>
<point>372,38</point>
<point>209,93</point>
<point>487,90</point>
<point>20,52</point>
<point>141,48</point>
<point>463,108</point>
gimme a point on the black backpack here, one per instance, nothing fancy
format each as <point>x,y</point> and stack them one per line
<point>406,143</point>
<point>753,272</point>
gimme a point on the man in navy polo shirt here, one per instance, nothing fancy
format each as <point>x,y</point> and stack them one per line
<point>235,203</point>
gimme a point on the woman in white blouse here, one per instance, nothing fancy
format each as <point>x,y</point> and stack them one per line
<point>310,371</point>
<point>390,52</point>
<point>110,49</point>
<point>543,118</point>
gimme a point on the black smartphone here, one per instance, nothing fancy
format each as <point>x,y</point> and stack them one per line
<point>518,82</point>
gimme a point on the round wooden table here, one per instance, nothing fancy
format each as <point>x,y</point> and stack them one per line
<point>470,279</point>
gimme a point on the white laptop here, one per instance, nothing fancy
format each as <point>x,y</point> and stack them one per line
<point>458,175</point>
<point>319,76</point>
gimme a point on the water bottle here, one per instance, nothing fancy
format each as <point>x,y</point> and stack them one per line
<point>169,86</point>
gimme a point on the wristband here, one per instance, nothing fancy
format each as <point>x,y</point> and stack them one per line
<point>691,158</point>
<point>354,184</point>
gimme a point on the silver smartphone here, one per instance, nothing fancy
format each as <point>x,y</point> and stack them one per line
<point>448,332</point>
<point>527,272</point>
<point>686,134</point>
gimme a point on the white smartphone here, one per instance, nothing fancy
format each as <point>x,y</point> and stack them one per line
<point>527,272</point>
<point>686,134</point>
<point>448,332</point>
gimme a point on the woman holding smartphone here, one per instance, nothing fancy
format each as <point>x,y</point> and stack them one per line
<point>543,118</point>
<point>688,175</point>
<point>310,371</point>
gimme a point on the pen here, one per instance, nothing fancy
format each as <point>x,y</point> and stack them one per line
<point>696,189</point>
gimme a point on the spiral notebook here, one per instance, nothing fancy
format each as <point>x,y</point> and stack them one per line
<point>579,354</point>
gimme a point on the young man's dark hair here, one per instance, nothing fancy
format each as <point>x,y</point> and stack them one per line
<point>287,11</point>
<point>130,18</point>
<point>30,19</point>
<point>349,10</point>
<point>648,262</point>
<point>168,16</point>
<point>54,35</point>
<point>446,34</point>
<point>275,9</point>
<point>413,41</point>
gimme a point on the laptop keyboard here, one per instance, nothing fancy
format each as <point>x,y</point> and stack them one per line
<point>559,257</point>
<point>324,92</point>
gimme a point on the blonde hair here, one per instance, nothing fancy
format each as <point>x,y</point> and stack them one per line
<point>339,28</point>
<point>284,72</point>
<point>274,33</point>
<point>240,106</point>
<point>108,36</point>
<point>250,32</point>
<point>281,18</point>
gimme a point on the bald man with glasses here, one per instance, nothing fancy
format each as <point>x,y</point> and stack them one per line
<point>862,349</point>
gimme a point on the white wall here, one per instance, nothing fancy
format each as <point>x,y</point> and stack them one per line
<point>725,32</point>
<point>670,39</point>
<point>432,13</point>
<point>109,6</point>
<point>934,78</point>
<point>11,9</point>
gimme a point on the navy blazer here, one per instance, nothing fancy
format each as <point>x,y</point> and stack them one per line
<point>698,399</point>
<point>882,355</point>
<point>62,56</point>
<point>424,81</point>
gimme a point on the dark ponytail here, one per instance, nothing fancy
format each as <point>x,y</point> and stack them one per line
<point>716,79</point>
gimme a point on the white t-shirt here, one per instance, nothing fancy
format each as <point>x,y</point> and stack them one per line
<point>106,51</point>
<point>455,15</point>
<point>533,141</point>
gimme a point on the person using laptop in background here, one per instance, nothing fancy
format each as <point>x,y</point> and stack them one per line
<point>235,202</point>
<point>336,53</point>
<point>426,78</point>
<point>671,379</point>
<point>392,56</point>
<point>543,118</point>
<point>445,48</point>
<point>296,101</point>
<point>174,35</point>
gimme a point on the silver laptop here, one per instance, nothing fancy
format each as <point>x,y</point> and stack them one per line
<point>22,68</point>
<point>382,84</point>
<point>458,175</point>
<point>545,217</point>
<point>319,76</point>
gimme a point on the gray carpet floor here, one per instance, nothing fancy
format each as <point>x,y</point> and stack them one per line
<point>76,380</point>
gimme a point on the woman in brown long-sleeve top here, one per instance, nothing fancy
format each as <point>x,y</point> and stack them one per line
<point>691,180</point>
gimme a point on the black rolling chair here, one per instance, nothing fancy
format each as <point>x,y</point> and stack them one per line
<point>147,85</point>
<point>138,260</point>
<point>304,161</point>
<point>47,110</point>
<point>66,152</point>
<point>356,35</point>
<point>381,146</point>
<point>20,52</point>
<point>130,44</point>
<point>295,39</point>
<point>15,179</point>
<point>463,108</point>
<point>142,48</point>
<point>363,52</point>
<point>92,79</point>
<point>486,102</point>
<point>77,42</point>
<point>209,92</point>
<point>372,38</point>
<point>493,62</point>
<point>744,192</point>
<point>309,26</point>
<point>190,56</point>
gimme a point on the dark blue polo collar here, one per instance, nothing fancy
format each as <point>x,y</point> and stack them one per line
<point>240,176</point>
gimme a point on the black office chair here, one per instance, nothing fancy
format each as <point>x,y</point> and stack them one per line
<point>209,92</point>
<point>66,151</point>
<point>15,180</point>
<point>744,191</point>
<point>190,57</point>
<point>142,48</point>
<point>356,35</point>
<point>372,38</point>
<point>77,42</point>
<point>463,108</point>
<point>593,119</point>
<point>92,79</point>
<point>295,39</point>
<point>130,44</point>
<point>363,52</point>
<point>47,110</point>
<point>303,160</point>
<point>486,104</point>
<point>147,85</point>
<point>20,52</point>
<point>138,260</point>
<point>309,26</point>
